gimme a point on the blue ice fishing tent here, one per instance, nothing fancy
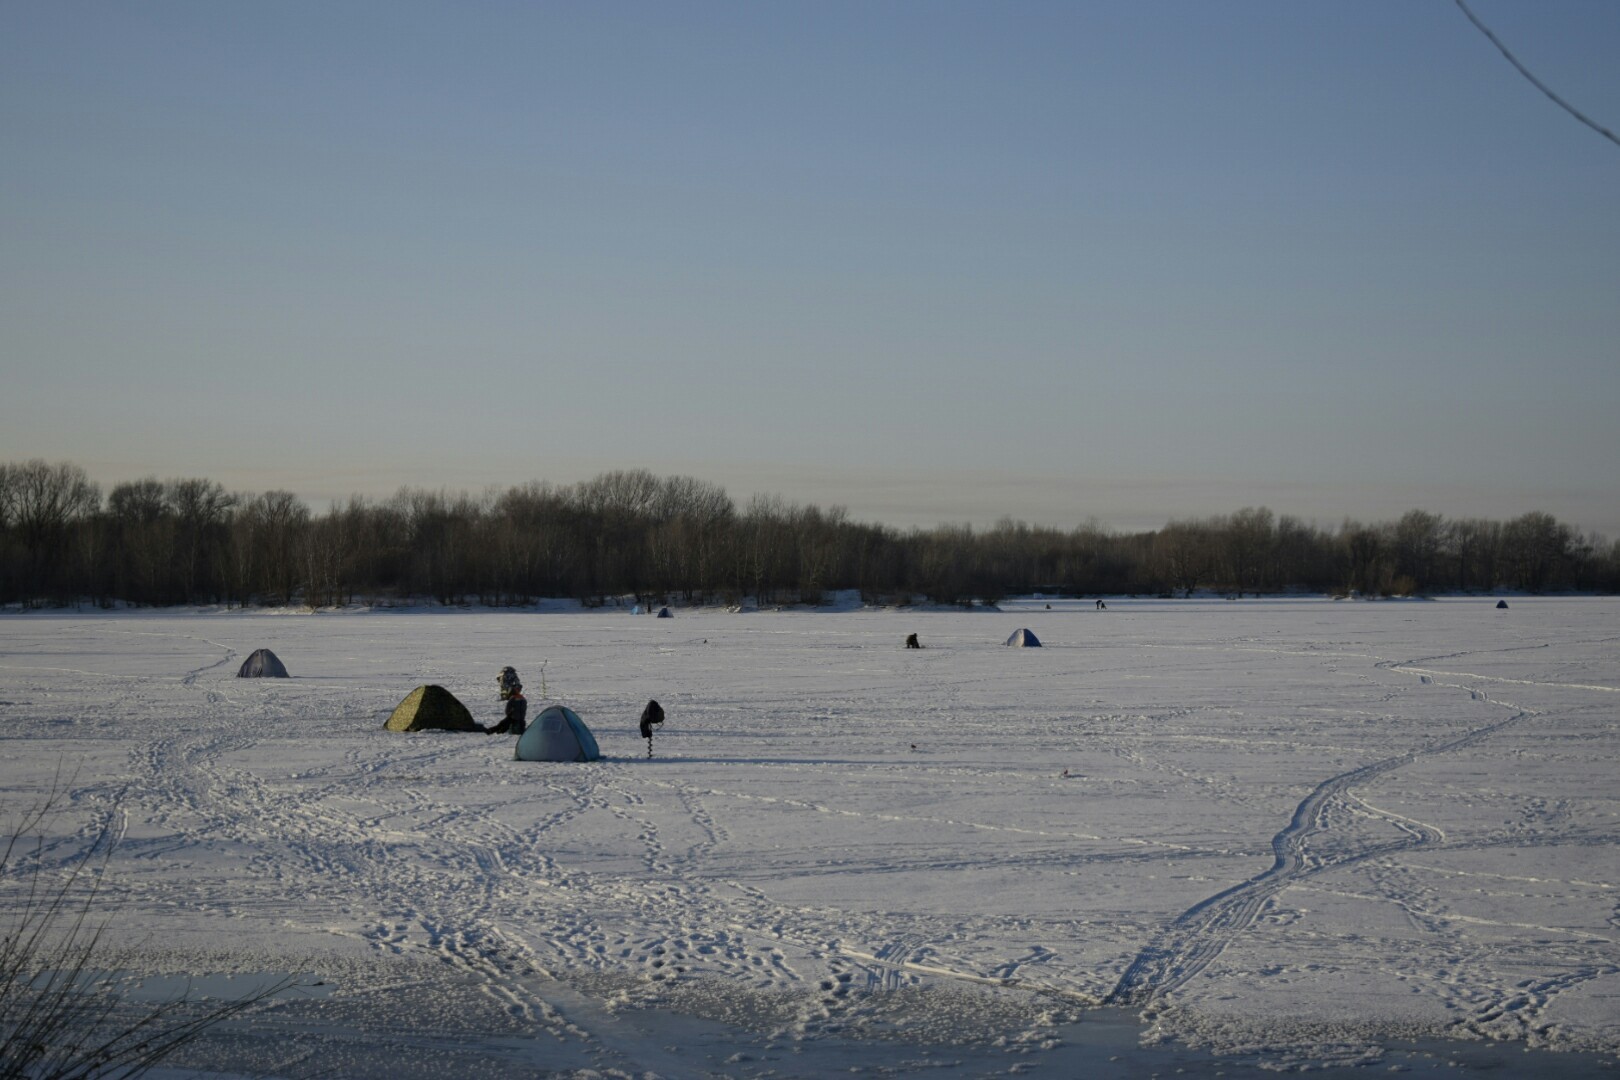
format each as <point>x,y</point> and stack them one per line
<point>557,734</point>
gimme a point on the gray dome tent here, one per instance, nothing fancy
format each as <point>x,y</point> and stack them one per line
<point>663,613</point>
<point>1024,639</point>
<point>431,707</point>
<point>262,664</point>
<point>557,734</point>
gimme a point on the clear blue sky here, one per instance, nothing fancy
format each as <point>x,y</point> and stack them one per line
<point>934,261</point>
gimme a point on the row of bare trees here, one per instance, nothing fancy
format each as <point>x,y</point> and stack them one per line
<point>631,533</point>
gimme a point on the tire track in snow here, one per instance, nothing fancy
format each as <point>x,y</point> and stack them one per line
<point>1198,936</point>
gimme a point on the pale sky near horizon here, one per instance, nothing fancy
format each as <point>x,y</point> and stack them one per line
<point>934,261</point>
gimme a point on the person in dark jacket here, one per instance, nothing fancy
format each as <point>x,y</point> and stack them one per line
<point>507,679</point>
<point>517,707</point>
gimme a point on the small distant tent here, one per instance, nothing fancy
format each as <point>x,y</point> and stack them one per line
<point>663,613</point>
<point>1024,639</point>
<point>557,734</point>
<point>1501,603</point>
<point>262,664</point>
<point>431,707</point>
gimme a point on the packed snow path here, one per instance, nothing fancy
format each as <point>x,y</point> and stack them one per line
<point>1291,827</point>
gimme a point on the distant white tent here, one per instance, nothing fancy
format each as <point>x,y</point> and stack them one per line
<point>262,664</point>
<point>1024,639</point>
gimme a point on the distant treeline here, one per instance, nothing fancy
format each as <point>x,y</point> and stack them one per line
<point>631,533</point>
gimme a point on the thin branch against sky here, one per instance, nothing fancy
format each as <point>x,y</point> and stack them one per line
<point>1537,83</point>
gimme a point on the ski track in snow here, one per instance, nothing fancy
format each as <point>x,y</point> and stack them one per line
<point>771,847</point>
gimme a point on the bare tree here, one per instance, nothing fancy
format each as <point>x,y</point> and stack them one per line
<point>1302,556</point>
<point>1183,555</point>
<point>201,510</point>
<point>144,537</point>
<point>817,536</point>
<point>1248,535</point>
<point>1418,539</point>
<point>323,546</point>
<point>243,574</point>
<point>1474,545</point>
<point>947,563</point>
<point>1535,546</point>
<point>1366,554</point>
<point>283,519</point>
<point>43,500</point>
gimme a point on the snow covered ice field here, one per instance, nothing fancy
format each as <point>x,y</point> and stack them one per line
<point>1291,833</point>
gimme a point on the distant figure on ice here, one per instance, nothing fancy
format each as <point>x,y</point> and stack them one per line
<point>1101,606</point>
<point>517,708</point>
<point>912,642</point>
<point>652,714</point>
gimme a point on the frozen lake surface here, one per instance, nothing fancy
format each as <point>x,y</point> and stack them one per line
<point>1282,833</point>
